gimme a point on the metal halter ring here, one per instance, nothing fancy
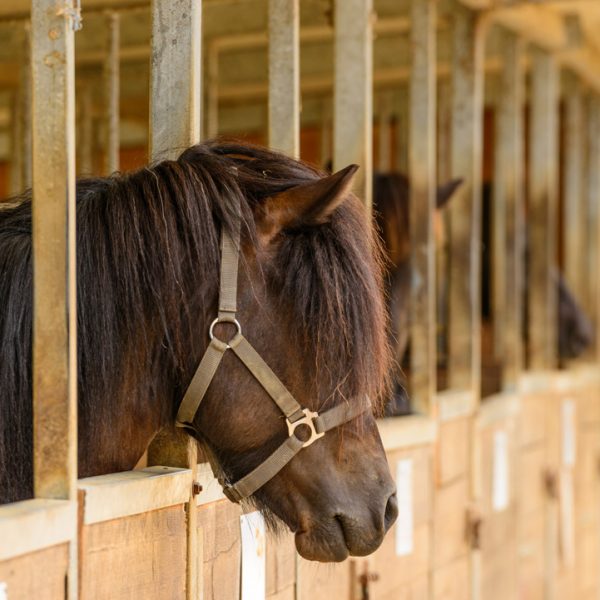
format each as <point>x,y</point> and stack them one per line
<point>233,321</point>
<point>307,419</point>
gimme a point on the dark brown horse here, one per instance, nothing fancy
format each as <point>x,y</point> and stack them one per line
<point>391,193</point>
<point>310,300</point>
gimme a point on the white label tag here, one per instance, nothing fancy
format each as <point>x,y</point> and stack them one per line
<point>3,591</point>
<point>252,528</point>
<point>567,518</point>
<point>404,493</point>
<point>500,481</point>
<point>568,433</point>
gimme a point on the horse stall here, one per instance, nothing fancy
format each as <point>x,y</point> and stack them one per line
<point>496,454</point>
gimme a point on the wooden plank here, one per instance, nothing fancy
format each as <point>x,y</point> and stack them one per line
<point>353,91</point>
<point>508,215</point>
<point>25,109</point>
<point>40,575</point>
<point>85,128</point>
<point>465,209</point>
<point>422,171</point>
<point>543,183</point>
<point>407,431</point>
<point>133,492</point>
<point>111,93</point>
<point>32,525</point>
<point>574,217</point>
<point>452,452</point>
<point>384,120</point>
<point>142,556</point>
<point>284,76</point>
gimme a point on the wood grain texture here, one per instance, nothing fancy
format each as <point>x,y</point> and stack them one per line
<point>143,556</point>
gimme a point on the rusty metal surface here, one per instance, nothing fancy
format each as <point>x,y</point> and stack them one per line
<point>422,170</point>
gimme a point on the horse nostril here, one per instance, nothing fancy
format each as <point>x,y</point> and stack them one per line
<point>391,511</point>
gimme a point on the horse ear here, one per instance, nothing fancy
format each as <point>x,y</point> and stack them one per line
<point>445,191</point>
<point>308,204</point>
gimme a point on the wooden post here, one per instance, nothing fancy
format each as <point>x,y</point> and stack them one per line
<point>353,92</point>
<point>284,76</point>
<point>25,109</point>
<point>508,236</point>
<point>54,293</point>
<point>175,125</point>
<point>422,166</point>
<point>402,127</point>
<point>543,183</point>
<point>212,92</point>
<point>111,94</point>
<point>465,208</point>
<point>326,133</point>
<point>16,135</point>
<point>85,129</point>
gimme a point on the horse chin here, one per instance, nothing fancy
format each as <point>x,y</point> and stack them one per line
<point>323,543</point>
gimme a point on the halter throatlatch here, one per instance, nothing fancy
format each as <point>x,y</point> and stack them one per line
<point>295,415</point>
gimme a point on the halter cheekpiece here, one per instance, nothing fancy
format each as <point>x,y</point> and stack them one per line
<point>296,416</point>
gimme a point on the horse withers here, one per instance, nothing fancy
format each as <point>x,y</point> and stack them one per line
<point>309,300</point>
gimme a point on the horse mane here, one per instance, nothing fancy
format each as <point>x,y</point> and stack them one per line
<point>391,192</point>
<point>148,242</point>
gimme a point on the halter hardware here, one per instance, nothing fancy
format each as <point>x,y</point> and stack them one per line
<point>309,420</point>
<point>296,415</point>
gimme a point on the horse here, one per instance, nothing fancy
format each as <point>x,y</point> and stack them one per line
<point>309,300</point>
<point>391,194</point>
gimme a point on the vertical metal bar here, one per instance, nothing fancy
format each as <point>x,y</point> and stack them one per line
<point>16,135</point>
<point>508,250</point>
<point>54,293</point>
<point>284,76</point>
<point>85,129</point>
<point>592,193</point>
<point>422,204</point>
<point>25,108</point>
<point>175,125</point>
<point>353,92</point>
<point>385,134</point>
<point>465,209</point>
<point>111,93</point>
<point>175,77</point>
<point>543,183</point>
<point>573,191</point>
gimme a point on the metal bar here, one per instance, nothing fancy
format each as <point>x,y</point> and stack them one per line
<point>175,77</point>
<point>54,292</point>
<point>422,170</point>
<point>284,76</point>
<point>111,92</point>
<point>573,191</point>
<point>175,125</point>
<point>543,183</point>
<point>591,227</point>
<point>508,250</point>
<point>465,209</point>
<point>353,92</point>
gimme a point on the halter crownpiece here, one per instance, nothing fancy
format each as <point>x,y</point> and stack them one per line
<point>295,415</point>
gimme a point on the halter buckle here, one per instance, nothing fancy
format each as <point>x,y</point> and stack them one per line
<point>308,420</point>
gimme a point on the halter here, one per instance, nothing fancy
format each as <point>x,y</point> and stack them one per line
<point>295,415</point>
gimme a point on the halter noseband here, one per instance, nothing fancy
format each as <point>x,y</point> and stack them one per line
<point>295,415</point>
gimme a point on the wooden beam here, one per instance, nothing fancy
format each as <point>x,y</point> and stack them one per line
<point>465,208</point>
<point>353,92</point>
<point>543,183</point>
<point>175,82</point>
<point>384,120</point>
<point>508,244</point>
<point>284,76</point>
<point>111,94</point>
<point>422,170</point>
<point>54,268</point>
